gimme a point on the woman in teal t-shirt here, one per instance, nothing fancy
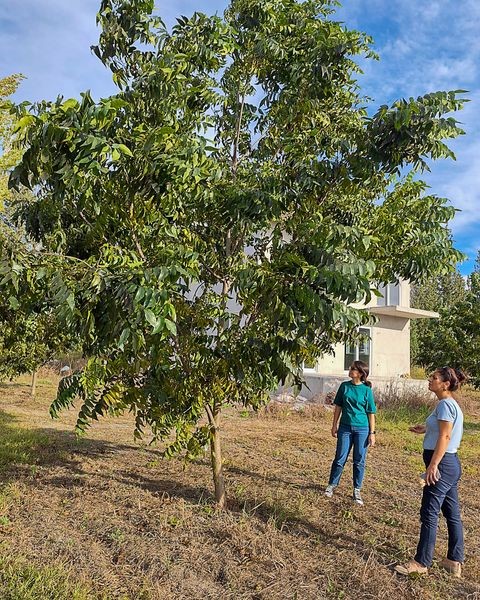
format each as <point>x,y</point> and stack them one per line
<point>355,409</point>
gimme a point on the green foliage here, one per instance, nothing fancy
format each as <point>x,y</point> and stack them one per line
<point>455,338</point>
<point>29,332</point>
<point>440,294</point>
<point>10,155</point>
<point>206,229</point>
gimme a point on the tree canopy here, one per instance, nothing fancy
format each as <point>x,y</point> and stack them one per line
<point>10,155</point>
<point>29,331</point>
<point>454,338</point>
<point>206,229</point>
<point>440,293</point>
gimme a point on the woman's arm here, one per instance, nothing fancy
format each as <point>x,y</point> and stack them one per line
<point>336,417</point>
<point>445,427</point>
<point>371,426</point>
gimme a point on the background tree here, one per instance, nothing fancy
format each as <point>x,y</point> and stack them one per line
<point>454,339</point>
<point>29,333</point>
<point>207,228</point>
<point>441,294</point>
<point>9,154</point>
<point>474,278</point>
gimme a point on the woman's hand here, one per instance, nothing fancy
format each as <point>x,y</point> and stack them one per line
<point>418,429</point>
<point>432,474</point>
<point>335,420</point>
<point>371,439</point>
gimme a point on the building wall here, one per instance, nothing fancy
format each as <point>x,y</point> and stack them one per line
<point>390,349</point>
<point>389,346</point>
<point>404,293</point>
<point>330,364</point>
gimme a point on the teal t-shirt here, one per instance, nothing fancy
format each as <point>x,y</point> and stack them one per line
<point>356,402</point>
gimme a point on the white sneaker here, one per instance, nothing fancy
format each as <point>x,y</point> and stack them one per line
<point>357,497</point>
<point>329,490</point>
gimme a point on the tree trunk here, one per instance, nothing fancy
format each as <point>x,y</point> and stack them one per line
<point>216,456</point>
<point>33,387</point>
<point>214,413</point>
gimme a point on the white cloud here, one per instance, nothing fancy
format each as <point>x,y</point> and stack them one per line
<point>460,182</point>
<point>49,42</point>
<point>424,46</point>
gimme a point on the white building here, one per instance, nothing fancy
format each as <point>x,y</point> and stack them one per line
<point>386,351</point>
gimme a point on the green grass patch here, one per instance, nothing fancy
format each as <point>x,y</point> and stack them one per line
<point>9,494</point>
<point>392,419</point>
<point>393,425</point>
<point>20,580</point>
<point>19,445</point>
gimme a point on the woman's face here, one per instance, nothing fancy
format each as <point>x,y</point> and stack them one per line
<point>436,384</point>
<point>354,373</point>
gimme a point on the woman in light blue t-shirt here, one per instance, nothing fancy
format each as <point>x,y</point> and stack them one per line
<point>443,433</point>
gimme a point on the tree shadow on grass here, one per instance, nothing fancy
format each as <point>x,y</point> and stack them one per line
<point>299,485</point>
<point>272,513</point>
<point>12,384</point>
<point>161,486</point>
<point>22,447</point>
<point>22,450</point>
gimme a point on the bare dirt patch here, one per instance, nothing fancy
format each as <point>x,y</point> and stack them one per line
<point>129,524</point>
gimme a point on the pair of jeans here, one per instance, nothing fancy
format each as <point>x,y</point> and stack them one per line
<point>349,436</point>
<point>443,496</point>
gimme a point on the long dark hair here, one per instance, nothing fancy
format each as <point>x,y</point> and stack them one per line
<point>455,377</point>
<point>363,369</point>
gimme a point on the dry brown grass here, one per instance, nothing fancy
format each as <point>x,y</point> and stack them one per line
<point>126,523</point>
<point>469,400</point>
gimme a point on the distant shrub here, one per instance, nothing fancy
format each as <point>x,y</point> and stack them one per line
<point>280,410</point>
<point>469,399</point>
<point>417,372</point>
<point>398,394</point>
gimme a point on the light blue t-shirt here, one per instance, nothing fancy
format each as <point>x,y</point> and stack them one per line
<point>446,410</point>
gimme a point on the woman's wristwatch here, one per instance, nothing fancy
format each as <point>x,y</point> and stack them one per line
<point>372,432</point>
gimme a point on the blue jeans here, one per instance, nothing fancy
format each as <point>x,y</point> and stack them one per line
<point>443,496</point>
<point>348,436</point>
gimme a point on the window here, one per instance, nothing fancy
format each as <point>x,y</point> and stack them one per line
<point>358,351</point>
<point>391,295</point>
<point>310,365</point>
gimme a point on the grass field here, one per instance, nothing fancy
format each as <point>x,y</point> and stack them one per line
<point>105,518</point>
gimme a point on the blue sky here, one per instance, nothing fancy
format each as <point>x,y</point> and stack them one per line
<point>424,46</point>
